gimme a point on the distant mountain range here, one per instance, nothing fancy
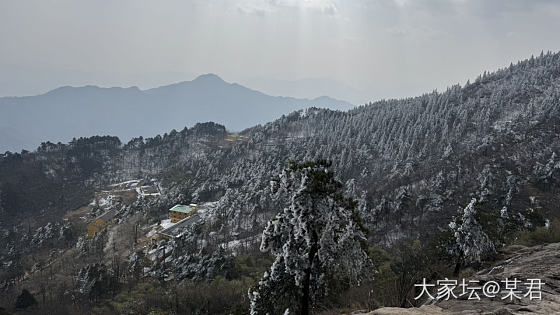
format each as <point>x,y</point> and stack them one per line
<point>68,112</point>
<point>310,87</point>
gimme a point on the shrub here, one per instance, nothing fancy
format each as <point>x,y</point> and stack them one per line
<point>540,235</point>
<point>25,300</point>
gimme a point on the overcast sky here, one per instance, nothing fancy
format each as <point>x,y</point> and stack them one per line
<point>386,48</point>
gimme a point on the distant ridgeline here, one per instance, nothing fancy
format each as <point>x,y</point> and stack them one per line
<point>410,163</point>
<point>68,111</point>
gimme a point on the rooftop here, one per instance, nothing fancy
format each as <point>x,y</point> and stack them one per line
<point>178,228</point>
<point>107,215</point>
<point>182,208</point>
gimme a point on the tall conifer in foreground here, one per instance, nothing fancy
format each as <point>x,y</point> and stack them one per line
<point>318,242</point>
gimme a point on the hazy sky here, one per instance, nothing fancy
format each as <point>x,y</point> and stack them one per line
<point>387,48</point>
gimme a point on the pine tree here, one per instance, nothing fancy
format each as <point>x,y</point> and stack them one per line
<point>471,244</point>
<point>318,242</point>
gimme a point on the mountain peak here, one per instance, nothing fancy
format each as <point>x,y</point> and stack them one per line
<point>209,77</point>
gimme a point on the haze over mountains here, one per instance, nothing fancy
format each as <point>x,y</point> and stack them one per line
<point>69,112</point>
<point>311,87</point>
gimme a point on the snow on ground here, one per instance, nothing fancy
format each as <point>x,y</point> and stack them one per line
<point>110,240</point>
<point>510,117</point>
<point>150,189</point>
<point>162,226</point>
<point>154,228</point>
<point>128,183</point>
<point>151,233</point>
<point>206,209</point>
<point>147,191</point>
<point>166,223</point>
<point>106,201</point>
<point>233,245</point>
<point>107,198</point>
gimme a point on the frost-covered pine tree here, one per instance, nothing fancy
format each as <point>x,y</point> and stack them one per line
<point>470,244</point>
<point>547,174</point>
<point>318,243</point>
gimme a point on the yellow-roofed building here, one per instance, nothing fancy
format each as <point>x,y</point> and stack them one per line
<point>100,222</point>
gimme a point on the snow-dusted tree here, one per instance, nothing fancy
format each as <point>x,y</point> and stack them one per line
<point>318,242</point>
<point>470,244</point>
<point>547,174</point>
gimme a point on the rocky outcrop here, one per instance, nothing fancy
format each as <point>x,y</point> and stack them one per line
<point>539,262</point>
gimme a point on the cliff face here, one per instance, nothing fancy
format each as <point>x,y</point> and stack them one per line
<point>539,262</point>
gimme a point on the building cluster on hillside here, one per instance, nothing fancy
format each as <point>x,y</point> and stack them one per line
<point>180,212</point>
<point>235,137</point>
<point>116,195</point>
<point>180,218</point>
<point>101,222</point>
<point>176,230</point>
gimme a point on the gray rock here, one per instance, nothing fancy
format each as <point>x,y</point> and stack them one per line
<point>539,262</point>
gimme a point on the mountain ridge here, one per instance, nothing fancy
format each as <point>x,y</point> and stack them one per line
<point>67,112</point>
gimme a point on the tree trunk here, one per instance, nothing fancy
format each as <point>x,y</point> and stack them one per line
<point>458,265</point>
<point>306,294</point>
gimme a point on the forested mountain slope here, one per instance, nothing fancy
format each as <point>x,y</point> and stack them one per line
<point>411,163</point>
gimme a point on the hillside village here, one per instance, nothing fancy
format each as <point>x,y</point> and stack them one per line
<point>180,217</point>
<point>106,202</point>
<point>109,227</point>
